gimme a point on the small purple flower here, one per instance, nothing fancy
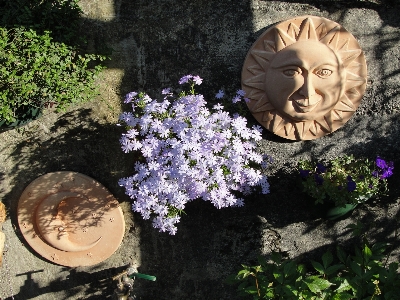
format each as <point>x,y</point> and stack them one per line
<point>247,100</point>
<point>236,99</point>
<point>318,179</point>
<point>321,168</point>
<point>218,106</point>
<point>370,186</point>
<point>129,97</point>
<point>220,94</point>
<point>304,173</point>
<point>241,93</point>
<point>166,91</point>
<point>197,80</point>
<point>381,163</point>
<point>375,173</point>
<point>387,173</point>
<point>351,186</point>
<point>185,79</point>
<point>349,178</point>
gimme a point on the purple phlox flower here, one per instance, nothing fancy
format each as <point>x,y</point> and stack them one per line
<point>166,91</point>
<point>128,118</point>
<point>256,135</point>
<point>370,186</point>
<point>190,152</point>
<point>239,124</point>
<point>197,80</point>
<point>268,157</point>
<point>386,169</point>
<point>132,133</point>
<point>241,93</point>
<point>387,173</point>
<point>318,179</point>
<point>218,106</point>
<point>146,98</point>
<point>220,94</point>
<point>123,182</point>
<point>247,100</point>
<point>304,173</point>
<point>349,178</point>
<point>321,168</point>
<point>239,202</point>
<point>381,163</point>
<point>185,79</point>
<point>129,97</point>
<point>264,184</point>
<point>236,99</point>
<point>351,186</point>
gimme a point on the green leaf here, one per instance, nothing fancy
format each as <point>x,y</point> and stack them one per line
<point>340,211</point>
<point>317,284</point>
<point>301,269</point>
<point>367,253</point>
<point>251,290</point>
<point>344,286</point>
<point>317,266</point>
<point>278,276</point>
<point>289,268</point>
<point>342,296</point>
<point>276,257</point>
<point>341,254</point>
<point>355,268</point>
<point>333,269</point>
<point>327,259</point>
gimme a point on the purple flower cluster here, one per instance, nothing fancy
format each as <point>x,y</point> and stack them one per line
<point>190,152</point>
<point>385,169</point>
<point>238,97</point>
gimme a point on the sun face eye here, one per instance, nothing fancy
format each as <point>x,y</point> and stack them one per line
<point>291,72</point>
<point>323,73</point>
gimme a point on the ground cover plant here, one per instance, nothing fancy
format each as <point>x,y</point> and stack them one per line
<point>365,274</point>
<point>42,58</point>
<point>188,152</point>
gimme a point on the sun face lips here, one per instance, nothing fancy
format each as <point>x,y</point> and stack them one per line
<point>305,105</point>
<point>300,106</point>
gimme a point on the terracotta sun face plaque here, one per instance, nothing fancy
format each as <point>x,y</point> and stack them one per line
<point>304,77</point>
<point>70,219</point>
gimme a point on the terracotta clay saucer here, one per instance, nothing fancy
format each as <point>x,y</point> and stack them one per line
<point>70,219</point>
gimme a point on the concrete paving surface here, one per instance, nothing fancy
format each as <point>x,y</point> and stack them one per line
<point>154,43</point>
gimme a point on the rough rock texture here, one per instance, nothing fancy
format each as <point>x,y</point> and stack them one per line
<point>155,43</point>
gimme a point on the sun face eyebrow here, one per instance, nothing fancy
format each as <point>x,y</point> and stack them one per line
<point>291,63</point>
<point>300,64</point>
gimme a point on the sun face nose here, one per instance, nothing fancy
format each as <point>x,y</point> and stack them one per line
<point>308,91</point>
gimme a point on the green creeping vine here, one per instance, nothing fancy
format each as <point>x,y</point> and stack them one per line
<point>359,276</point>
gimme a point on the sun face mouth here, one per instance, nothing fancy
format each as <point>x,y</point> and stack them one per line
<point>305,105</point>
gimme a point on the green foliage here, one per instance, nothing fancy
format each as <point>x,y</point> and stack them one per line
<point>358,276</point>
<point>41,58</point>
<point>60,17</point>
<point>333,182</point>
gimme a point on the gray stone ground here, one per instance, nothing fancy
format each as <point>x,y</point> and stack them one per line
<point>155,43</point>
